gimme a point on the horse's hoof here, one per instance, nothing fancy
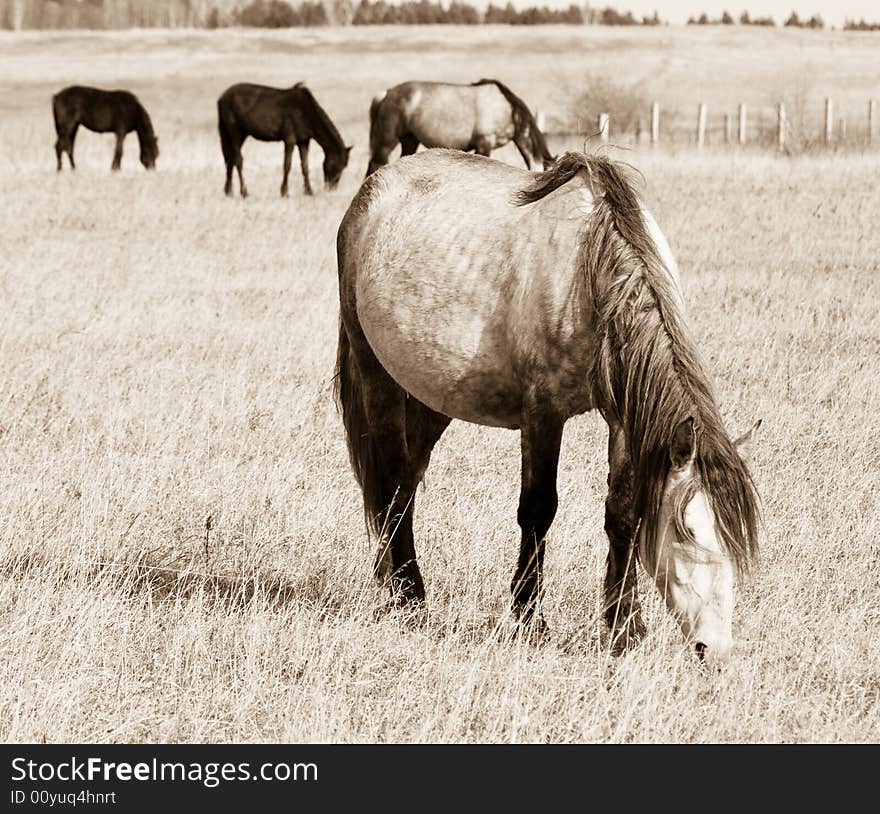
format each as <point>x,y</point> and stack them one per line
<point>410,614</point>
<point>530,622</point>
<point>625,637</point>
<point>535,630</point>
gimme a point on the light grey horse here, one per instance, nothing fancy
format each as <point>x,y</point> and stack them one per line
<point>474,290</point>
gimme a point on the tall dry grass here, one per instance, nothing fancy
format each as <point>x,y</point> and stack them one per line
<point>166,357</point>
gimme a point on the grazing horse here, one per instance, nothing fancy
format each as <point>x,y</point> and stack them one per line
<point>471,289</point>
<point>103,111</point>
<point>291,115</point>
<point>480,117</point>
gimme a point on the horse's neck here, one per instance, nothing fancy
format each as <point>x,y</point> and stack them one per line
<point>324,133</point>
<point>144,127</point>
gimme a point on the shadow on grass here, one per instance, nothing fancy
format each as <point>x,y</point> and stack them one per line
<point>317,589</point>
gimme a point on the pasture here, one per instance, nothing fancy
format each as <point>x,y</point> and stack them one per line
<point>182,551</point>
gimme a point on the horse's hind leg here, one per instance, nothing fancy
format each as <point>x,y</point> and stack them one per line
<point>230,166</point>
<point>239,164</point>
<point>423,430</point>
<point>64,144</point>
<point>622,611</point>
<point>117,153</point>
<point>389,491</point>
<point>523,147</point>
<point>541,439</point>
<point>71,140</point>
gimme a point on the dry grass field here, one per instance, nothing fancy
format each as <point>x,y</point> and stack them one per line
<point>166,357</point>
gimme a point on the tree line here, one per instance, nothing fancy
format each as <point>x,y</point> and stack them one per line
<point>792,21</point>
<point>114,14</point>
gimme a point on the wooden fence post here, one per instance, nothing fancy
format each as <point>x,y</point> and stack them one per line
<point>742,123</point>
<point>655,123</point>
<point>841,130</point>
<point>701,125</point>
<point>829,120</point>
<point>728,128</point>
<point>780,126</point>
<point>603,128</point>
<point>872,118</point>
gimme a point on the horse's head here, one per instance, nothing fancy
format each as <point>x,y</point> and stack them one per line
<point>690,558</point>
<point>334,165</point>
<point>149,151</point>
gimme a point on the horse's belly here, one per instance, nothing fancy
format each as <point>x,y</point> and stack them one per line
<point>443,134</point>
<point>100,121</point>
<point>455,362</point>
<point>436,125</point>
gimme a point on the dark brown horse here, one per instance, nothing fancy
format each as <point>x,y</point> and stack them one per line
<point>103,111</point>
<point>479,117</point>
<point>471,289</point>
<point>291,115</point>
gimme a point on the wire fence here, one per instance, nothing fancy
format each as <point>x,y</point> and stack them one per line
<point>788,127</point>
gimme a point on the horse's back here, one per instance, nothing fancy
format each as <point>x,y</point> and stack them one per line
<point>454,285</point>
<point>260,110</point>
<point>98,109</point>
<point>442,114</point>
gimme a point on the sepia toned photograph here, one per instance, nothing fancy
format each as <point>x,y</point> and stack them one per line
<point>427,372</point>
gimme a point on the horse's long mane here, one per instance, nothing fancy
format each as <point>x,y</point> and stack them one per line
<point>144,129</point>
<point>326,133</point>
<point>648,371</point>
<point>523,119</point>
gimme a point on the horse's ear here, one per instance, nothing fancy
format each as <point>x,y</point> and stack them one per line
<point>684,444</point>
<point>745,442</point>
<point>349,148</point>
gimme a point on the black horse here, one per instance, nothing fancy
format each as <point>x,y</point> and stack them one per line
<point>103,111</point>
<point>291,115</point>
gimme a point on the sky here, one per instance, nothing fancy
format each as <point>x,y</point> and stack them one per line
<point>834,12</point>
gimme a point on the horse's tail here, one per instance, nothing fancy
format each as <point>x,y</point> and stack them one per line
<point>524,122</point>
<point>226,142</point>
<point>347,387</point>
<point>377,134</point>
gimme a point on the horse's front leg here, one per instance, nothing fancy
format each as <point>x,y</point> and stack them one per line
<point>288,155</point>
<point>117,153</point>
<point>622,610</point>
<point>304,165</point>
<point>541,432</point>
